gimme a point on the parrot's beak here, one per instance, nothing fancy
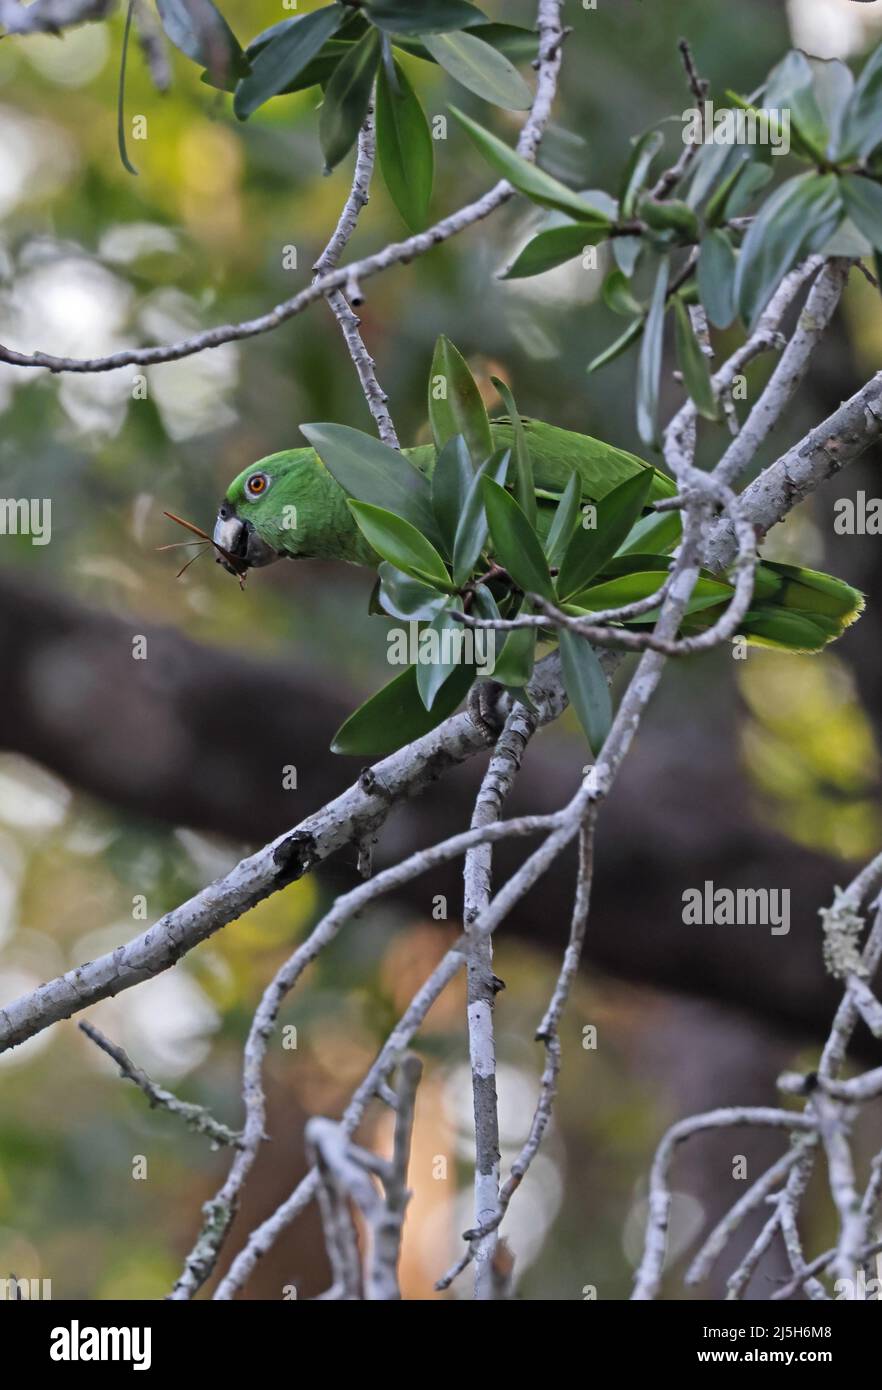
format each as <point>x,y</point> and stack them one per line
<point>240,540</point>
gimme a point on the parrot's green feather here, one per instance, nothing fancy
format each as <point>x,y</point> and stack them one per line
<point>303,513</point>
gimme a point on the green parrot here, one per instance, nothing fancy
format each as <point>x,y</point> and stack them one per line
<point>292,505</point>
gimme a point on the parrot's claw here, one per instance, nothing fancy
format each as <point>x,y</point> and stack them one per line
<point>484,709</point>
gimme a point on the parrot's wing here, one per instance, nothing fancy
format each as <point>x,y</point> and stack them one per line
<point>556,454</point>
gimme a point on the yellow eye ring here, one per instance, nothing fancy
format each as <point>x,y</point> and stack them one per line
<point>257,484</point>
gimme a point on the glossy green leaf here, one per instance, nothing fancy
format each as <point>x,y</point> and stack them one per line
<point>452,481</point>
<point>455,405</point>
<point>396,715</point>
<point>514,664</point>
<point>347,97</point>
<point>401,544</point>
<point>402,596</point>
<point>796,220</point>
<point>527,178</point>
<point>484,605</point>
<point>515,544</point>
<point>863,203</point>
<point>277,65</point>
<point>426,17</point>
<point>658,531</point>
<point>524,485</point>
<point>716,278</point>
<point>481,68</point>
<point>442,646</point>
<point>554,247</point>
<point>200,31</point>
<point>405,147</point>
<point>587,688</point>
<point>471,533</point>
<point>693,363</point>
<point>565,517</point>
<point>650,363</point>
<point>590,548</point>
<point>371,472</point>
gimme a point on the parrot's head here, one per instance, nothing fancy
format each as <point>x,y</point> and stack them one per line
<point>251,518</point>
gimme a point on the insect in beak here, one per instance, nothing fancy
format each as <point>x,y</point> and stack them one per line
<point>234,563</point>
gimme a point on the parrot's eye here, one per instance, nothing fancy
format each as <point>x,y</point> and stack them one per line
<point>257,484</point>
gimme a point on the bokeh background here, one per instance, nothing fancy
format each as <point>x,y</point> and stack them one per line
<point>120,778</point>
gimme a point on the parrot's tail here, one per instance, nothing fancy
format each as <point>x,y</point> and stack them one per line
<point>798,610</point>
<point>793,609</point>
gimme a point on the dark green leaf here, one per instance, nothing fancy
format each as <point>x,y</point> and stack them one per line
<point>862,126</point>
<point>121,94</point>
<point>408,598</point>
<point>670,215</point>
<point>404,145</point>
<point>649,368</point>
<point>525,487</point>
<point>715,211</point>
<point>452,481</point>
<point>315,74</point>
<point>643,152</point>
<point>371,472</point>
<point>200,31</point>
<point>401,544</point>
<point>791,88</point>
<point>516,42</point>
<point>471,533</point>
<point>396,715</point>
<point>834,87</point>
<point>658,531</point>
<point>533,182</point>
<point>484,605</point>
<point>863,203</point>
<point>514,665</point>
<point>590,548</point>
<point>441,652</point>
<point>618,297</point>
<point>632,586</point>
<point>455,405</point>
<point>712,166</point>
<point>587,688</point>
<point>426,17</point>
<point>278,64</point>
<point>554,247</point>
<point>621,344</point>
<point>347,97</point>
<point>481,68</point>
<point>716,278</point>
<point>796,220</point>
<point>693,363</point>
<point>565,517</point>
<point>752,179</point>
<point>515,543</point>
